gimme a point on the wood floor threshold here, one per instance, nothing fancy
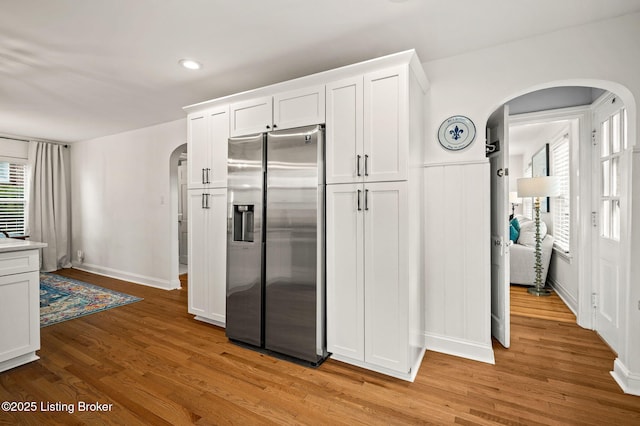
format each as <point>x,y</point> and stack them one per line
<point>157,365</point>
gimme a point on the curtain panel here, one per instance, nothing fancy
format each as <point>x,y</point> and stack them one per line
<point>49,218</point>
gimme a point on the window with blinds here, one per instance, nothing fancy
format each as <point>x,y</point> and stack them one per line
<point>12,198</point>
<point>560,208</point>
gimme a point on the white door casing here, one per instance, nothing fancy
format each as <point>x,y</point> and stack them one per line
<point>500,298</point>
<point>183,216</point>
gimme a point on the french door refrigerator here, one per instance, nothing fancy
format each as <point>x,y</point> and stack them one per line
<point>275,242</point>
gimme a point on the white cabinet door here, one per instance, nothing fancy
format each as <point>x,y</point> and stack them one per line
<point>217,255</point>
<point>299,108</point>
<point>386,125</point>
<point>19,319</point>
<point>207,254</point>
<point>344,147</point>
<point>198,255</point>
<point>207,135</point>
<point>345,280</point>
<point>198,149</point>
<point>219,131</point>
<point>386,275</point>
<point>252,116</point>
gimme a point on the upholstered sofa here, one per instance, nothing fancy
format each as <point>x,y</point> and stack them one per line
<point>523,257</point>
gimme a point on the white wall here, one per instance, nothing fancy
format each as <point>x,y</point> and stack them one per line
<point>605,54</point>
<point>121,211</point>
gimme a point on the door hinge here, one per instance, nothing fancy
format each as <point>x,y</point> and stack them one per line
<point>594,300</point>
<point>594,219</point>
<point>594,137</point>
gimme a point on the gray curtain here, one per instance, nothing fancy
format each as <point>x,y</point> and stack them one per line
<point>49,204</point>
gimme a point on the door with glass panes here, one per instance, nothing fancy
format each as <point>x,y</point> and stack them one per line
<point>611,161</point>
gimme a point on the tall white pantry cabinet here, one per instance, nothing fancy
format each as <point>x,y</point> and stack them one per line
<point>374,207</point>
<point>373,112</point>
<point>207,135</point>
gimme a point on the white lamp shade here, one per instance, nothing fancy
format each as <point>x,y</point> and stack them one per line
<point>543,186</point>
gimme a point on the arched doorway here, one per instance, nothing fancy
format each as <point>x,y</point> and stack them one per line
<point>589,186</point>
<point>178,217</point>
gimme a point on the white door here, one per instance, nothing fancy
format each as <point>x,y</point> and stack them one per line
<point>386,258</point>
<point>498,132</point>
<point>344,150</point>
<point>345,276</point>
<point>610,161</point>
<point>183,215</point>
<point>386,133</point>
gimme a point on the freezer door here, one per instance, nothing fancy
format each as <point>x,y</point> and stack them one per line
<point>295,207</point>
<point>245,239</point>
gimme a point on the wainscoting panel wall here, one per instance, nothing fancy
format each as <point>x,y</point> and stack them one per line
<point>457,298</point>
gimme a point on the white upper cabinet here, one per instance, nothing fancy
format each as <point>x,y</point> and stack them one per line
<point>207,135</point>
<point>368,127</point>
<point>298,108</point>
<point>386,124</point>
<point>284,110</point>
<point>252,116</point>
<point>344,148</point>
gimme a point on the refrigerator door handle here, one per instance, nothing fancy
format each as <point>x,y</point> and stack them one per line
<point>359,208</point>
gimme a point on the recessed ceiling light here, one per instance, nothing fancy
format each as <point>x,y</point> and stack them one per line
<point>190,64</point>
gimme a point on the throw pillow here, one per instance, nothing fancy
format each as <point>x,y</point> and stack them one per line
<point>528,233</point>
<point>514,230</point>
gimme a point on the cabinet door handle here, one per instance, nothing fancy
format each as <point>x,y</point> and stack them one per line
<point>358,165</point>
<point>202,202</point>
<point>366,168</point>
<point>366,199</point>
<point>359,208</point>
<point>208,170</point>
<point>206,201</point>
<point>203,179</point>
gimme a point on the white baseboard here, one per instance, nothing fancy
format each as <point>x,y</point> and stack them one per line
<point>409,377</point>
<point>127,276</point>
<point>628,381</point>
<point>461,348</point>
<point>565,295</point>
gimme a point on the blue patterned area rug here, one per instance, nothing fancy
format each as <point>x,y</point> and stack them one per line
<point>62,299</point>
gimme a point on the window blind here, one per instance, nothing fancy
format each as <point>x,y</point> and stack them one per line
<point>12,198</point>
<point>560,210</point>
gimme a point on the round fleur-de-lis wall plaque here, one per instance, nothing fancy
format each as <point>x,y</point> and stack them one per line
<point>456,133</point>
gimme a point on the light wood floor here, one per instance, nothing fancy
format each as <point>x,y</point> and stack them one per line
<point>544,307</point>
<point>157,365</point>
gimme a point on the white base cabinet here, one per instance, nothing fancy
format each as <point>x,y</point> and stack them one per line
<point>368,304</point>
<point>19,307</point>
<point>207,254</point>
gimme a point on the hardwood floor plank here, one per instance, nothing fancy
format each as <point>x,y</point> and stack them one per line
<point>157,365</point>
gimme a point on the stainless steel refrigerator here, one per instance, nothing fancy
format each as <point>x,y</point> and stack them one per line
<point>275,242</point>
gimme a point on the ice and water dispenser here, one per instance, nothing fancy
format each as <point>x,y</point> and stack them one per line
<point>243,222</point>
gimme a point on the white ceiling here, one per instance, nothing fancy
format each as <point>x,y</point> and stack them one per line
<point>523,136</point>
<point>77,69</point>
